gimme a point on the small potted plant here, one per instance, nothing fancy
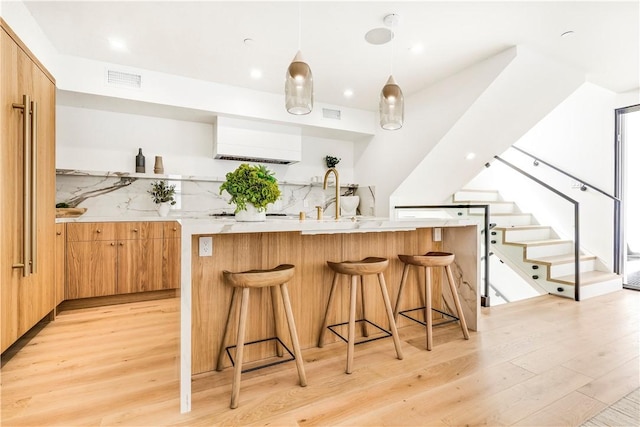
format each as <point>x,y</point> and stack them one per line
<point>252,188</point>
<point>163,195</point>
<point>331,161</point>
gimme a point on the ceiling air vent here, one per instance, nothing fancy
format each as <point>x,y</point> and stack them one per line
<point>122,79</point>
<point>330,114</point>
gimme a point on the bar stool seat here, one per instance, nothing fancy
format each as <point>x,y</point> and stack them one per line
<point>427,261</point>
<point>242,283</point>
<point>355,269</point>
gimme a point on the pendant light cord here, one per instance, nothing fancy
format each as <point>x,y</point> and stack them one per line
<point>299,25</point>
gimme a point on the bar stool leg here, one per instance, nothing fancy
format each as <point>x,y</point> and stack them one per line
<point>405,274</point>
<point>325,323</point>
<point>352,323</point>
<point>293,333</point>
<point>274,305</point>
<point>427,307</point>
<point>237,371</point>
<point>456,300</point>
<point>226,330</point>
<point>392,323</point>
<point>363,325</point>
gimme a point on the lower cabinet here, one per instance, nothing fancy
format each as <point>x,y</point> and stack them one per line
<point>111,258</point>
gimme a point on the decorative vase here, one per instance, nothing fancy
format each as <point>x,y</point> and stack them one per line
<point>349,205</point>
<point>251,214</point>
<point>158,167</point>
<point>140,168</point>
<point>163,208</point>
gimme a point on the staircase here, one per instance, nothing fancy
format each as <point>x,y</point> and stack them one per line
<point>536,252</point>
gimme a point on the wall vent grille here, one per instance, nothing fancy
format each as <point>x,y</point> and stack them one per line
<point>122,79</point>
<point>331,114</point>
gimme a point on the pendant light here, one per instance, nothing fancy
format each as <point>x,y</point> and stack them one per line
<point>391,97</point>
<point>298,86</point>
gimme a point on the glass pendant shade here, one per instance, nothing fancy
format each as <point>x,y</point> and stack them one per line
<point>391,106</point>
<point>298,87</point>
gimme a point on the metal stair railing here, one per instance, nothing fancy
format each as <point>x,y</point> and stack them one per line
<point>576,220</point>
<point>617,230</point>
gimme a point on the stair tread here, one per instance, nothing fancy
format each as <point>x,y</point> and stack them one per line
<point>587,278</point>
<point>560,259</point>
<point>485,202</point>
<point>539,242</point>
<point>522,227</point>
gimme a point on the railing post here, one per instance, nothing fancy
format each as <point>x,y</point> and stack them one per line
<point>576,250</point>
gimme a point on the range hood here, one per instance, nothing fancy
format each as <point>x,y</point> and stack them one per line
<point>253,141</point>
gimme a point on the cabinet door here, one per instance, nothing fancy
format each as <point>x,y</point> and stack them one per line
<point>60,264</point>
<point>25,300</point>
<point>139,265</point>
<point>171,256</point>
<point>91,268</point>
<point>86,231</point>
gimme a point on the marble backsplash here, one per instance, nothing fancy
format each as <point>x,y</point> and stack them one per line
<point>114,194</point>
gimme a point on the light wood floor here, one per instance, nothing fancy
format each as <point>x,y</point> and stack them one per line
<point>547,361</point>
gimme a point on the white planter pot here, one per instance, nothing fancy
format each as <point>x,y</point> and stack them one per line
<point>163,208</point>
<point>251,214</point>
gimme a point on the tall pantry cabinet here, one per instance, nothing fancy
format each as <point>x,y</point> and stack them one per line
<point>27,189</point>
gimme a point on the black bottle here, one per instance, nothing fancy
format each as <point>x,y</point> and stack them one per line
<point>140,161</point>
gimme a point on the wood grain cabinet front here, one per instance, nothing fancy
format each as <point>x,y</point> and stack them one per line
<point>27,188</point>
<point>111,258</point>
<point>171,256</point>
<point>92,255</point>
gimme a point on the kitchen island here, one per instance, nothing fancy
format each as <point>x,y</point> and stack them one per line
<point>308,244</point>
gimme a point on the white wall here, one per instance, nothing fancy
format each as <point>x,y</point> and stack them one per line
<point>522,93</point>
<point>578,137</point>
<point>390,156</point>
<point>91,139</point>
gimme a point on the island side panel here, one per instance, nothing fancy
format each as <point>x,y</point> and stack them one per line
<point>464,242</point>
<point>309,288</point>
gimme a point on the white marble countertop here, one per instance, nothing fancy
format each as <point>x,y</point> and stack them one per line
<point>312,226</point>
<point>222,225</point>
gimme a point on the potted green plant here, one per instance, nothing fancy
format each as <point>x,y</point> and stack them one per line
<point>252,188</point>
<point>163,194</point>
<point>331,161</point>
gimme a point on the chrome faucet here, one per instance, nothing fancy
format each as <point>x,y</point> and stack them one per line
<point>324,187</point>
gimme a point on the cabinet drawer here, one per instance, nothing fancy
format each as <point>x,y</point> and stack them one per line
<point>171,229</point>
<point>90,231</point>
<point>139,230</point>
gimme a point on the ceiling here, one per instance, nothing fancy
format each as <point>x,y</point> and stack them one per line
<point>205,39</point>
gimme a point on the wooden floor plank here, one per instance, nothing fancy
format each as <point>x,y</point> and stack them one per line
<point>543,361</point>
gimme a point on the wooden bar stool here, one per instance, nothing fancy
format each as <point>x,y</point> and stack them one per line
<point>242,283</point>
<point>357,269</point>
<point>431,259</point>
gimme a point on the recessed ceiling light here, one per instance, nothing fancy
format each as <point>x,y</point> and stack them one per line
<point>567,34</point>
<point>256,74</point>
<point>117,44</point>
<point>470,156</point>
<point>348,93</point>
<point>249,41</point>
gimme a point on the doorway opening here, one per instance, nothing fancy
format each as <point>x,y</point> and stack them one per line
<point>628,190</point>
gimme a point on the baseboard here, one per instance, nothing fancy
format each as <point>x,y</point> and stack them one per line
<point>74,304</point>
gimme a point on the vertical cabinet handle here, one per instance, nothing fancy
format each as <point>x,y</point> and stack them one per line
<point>26,175</point>
<point>34,186</point>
